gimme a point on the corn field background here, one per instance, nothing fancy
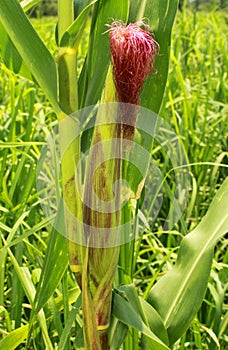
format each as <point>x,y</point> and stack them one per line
<point>195,105</point>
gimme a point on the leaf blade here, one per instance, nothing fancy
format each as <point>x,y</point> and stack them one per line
<point>125,312</point>
<point>14,338</point>
<point>54,266</point>
<point>178,295</point>
<point>160,15</point>
<point>28,4</point>
<point>72,36</point>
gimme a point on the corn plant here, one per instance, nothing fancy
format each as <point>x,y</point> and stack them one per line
<point>98,110</point>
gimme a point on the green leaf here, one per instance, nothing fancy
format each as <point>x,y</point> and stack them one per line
<point>54,266</point>
<point>28,4</point>
<point>30,47</point>
<point>154,321</point>
<point>148,314</point>
<point>160,15</point>
<point>178,295</point>
<point>24,276</point>
<point>15,338</point>
<point>29,289</point>
<point>68,326</point>
<point>92,78</point>
<point>11,57</point>
<point>118,336</point>
<point>79,5</point>
<point>73,34</point>
<point>124,311</point>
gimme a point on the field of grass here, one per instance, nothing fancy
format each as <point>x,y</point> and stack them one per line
<point>195,105</point>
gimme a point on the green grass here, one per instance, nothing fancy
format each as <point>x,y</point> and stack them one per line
<point>196,99</point>
<point>195,105</point>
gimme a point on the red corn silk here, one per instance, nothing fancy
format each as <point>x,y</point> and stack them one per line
<point>133,51</point>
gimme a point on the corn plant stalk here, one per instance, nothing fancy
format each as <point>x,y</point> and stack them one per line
<point>100,260</point>
<point>68,97</point>
<point>67,61</point>
<point>87,263</point>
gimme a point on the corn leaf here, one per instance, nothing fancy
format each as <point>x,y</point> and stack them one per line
<point>160,15</point>
<point>119,334</point>
<point>79,5</point>
<point>72,36</point>
<point>178,295</point>
<point>124,311</point>
<point>28,4</point>
<point>11,57</point>
<point>148,314</point>
<point>54,266</point>
<point>30,47</point>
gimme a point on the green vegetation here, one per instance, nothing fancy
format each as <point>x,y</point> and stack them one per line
<point>207,5</point>
<point>195,105</point>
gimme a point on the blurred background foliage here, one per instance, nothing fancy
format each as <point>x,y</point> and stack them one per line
<point>50,7</point>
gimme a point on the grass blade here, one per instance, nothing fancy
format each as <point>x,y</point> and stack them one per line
<point>15,338</point>
<point>31,48</point>
<point>69,323</point>
<point>24,277</point>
